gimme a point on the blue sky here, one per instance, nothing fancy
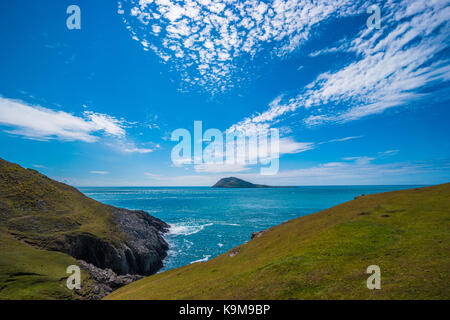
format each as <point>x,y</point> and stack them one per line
<point>353,105</point>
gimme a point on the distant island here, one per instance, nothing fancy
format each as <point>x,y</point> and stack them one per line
<point>233,182</point>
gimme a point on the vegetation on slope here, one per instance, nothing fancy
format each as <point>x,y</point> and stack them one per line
<point>30,273</point>
<point>325,255</point>
<point>38,213</point>
<point>39,209</point>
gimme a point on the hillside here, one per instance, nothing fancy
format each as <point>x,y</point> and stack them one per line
<point>46,225</point>
<point>233,182</point>
<point>325,255</point>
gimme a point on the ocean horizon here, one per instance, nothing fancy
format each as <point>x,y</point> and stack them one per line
<point>206,222</point>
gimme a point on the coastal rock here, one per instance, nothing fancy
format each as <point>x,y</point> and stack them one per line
<point>141,252</point>
<point>258,234</point>
<point>40,213</point>
<point>105,280</point>
<point>145,247</point>
<point>52,215</point>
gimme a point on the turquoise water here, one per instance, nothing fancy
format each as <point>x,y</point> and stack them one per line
<point>207,222</point>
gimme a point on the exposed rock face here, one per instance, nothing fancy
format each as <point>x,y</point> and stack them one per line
<point>145,247</point>
<point>106,280</point>
<point>140,253</point>
<point>51,215</point>
<point>258,234</point>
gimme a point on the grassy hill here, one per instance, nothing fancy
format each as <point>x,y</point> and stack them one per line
<point>37,208</point>
<point>325,255</point>
<point>45,225</point>
<point>31,273</point>
<point>34,212</point>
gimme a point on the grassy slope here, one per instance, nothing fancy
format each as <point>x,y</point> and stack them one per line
<point>39,210</point>
<point>36,207</point>
<point>325,255</point>
<point>30,273</point>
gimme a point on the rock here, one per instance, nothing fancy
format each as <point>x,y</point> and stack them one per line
<point>233,252</point>
<point>145,247</point>
<point>51,215</point>
<point>142,252</point>
<point>258,234</point>
<point>105,280</point>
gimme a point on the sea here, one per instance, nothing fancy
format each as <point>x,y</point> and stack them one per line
<point>206,222</point>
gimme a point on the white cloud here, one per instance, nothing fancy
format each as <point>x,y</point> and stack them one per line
<point>39,123</point>
<point>388,153</point>
<point>205,40</point>
<point>106,123</point>
<point>363,170</point>
<point>39,166</point>
<point>289,146</point>
<point>35,122</point>
<point>99,172</point>
<point>128,146</point>
<point>341,139</point>
<point>134,149</point>
<point>359,171</point>
<point>393,66</point>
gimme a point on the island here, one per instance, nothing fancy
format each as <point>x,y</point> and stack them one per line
<point>233,182</point>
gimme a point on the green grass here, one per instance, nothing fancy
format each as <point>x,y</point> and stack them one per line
<point>325,256</point>
<point>36,211</point>
<point>30,273</point>
<point>35,207</point>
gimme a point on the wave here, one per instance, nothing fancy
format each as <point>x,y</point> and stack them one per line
<point>177,229</point>
<point>229,224</point>
<point>205,258</point>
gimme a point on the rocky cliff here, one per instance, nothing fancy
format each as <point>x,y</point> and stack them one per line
<point>46,214</point>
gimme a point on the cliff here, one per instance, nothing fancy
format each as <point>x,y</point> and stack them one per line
<point>46,215</point>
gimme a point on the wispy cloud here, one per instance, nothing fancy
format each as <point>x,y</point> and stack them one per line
<point>39,166</point>
<point>388,153</point>
<point>39,123</point>
<point>130,147</point>
<point>358,170</point>
<point>208,41</point>
<point>341,139</point>
<point>361,170</point>
<point>99,172</point>
<point>35,122</point>
<point>393,67</point>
